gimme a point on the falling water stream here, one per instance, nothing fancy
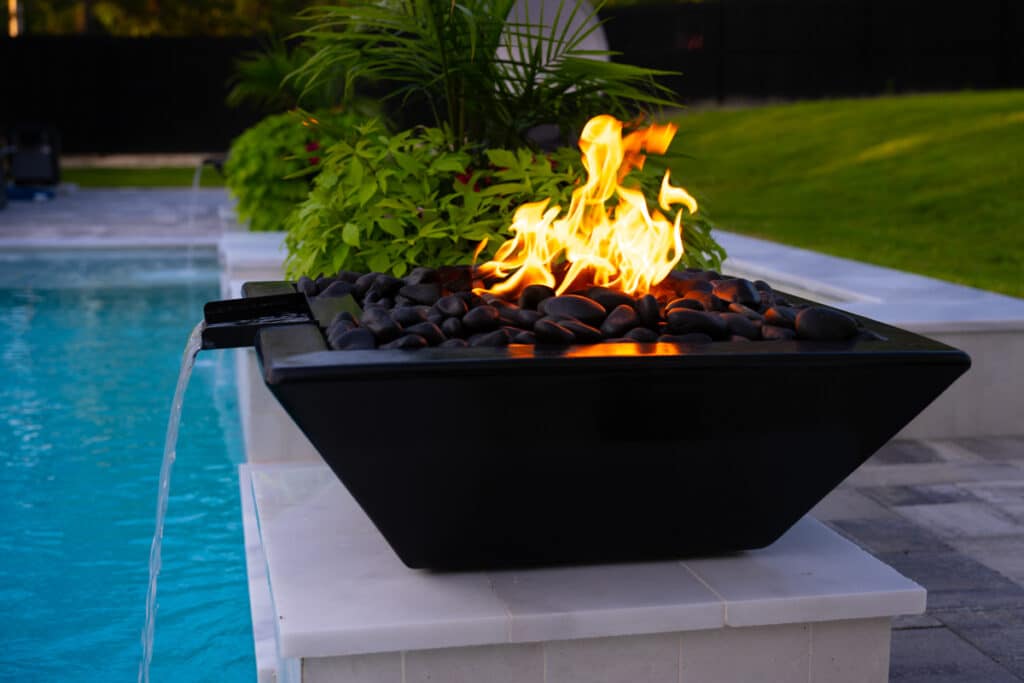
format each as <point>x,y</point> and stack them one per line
<point>193,201</point>
<point>195,342</point>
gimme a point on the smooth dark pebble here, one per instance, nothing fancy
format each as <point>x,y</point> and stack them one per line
<point>745,311</point>
<point>349,276</point>
<point>453,342</point>
<point>452,327</point>
<point>527,318</point>
<point>574,306</point>
<point>709,301</point>
<point>684,321</point>
<point>436,317</point>
<point>426,293</point>
<point>388,285</point>
<point>620,321</point>
<point>363,284</point>
<point>649,311</point>
<point>452,306</point>
<point>762,286</point>
<point>741,325</point>
<point>323,282</point>
<point>429,331</point>
<point>407,341</point>
<point>610,298</point>
<point>353,340</point>
<point>404,301</point>
<point>642,334</point>
<point>549,332</point>
<point>824,324</point>
<point>422,275</point>
<point>342,315</point>
<point>306,286</point>
<point>524,337</point>
<point>583,333</point>
<point>481,319</point>
<point>532,295</point>
<point>739,338</point>
<point>775,333</point>
<point>495,338</point>
<point>691,304</point>
<point>380,323</point>
<point>781,316</point>
<point>407,315</point>
<point>738,290</point>
<point>339,326</point>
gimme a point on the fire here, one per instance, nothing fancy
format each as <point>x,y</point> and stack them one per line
<point>628,247</point>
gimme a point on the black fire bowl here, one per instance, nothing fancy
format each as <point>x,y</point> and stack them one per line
<point>482,458</point>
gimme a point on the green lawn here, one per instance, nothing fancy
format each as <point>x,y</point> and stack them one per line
<point>139,177</point>
<point>932,184</point>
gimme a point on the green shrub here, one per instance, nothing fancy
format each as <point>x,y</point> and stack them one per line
<point>387,203</point>
<point>271,165</point>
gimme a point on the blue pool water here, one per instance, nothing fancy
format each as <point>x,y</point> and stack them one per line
<point>90,344</point>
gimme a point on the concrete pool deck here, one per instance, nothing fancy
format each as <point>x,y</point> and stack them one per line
<point>947,513</point>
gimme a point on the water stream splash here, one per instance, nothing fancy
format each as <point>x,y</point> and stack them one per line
<point>195,343</point>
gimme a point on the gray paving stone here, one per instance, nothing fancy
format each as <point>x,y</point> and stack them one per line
<point>848,503</point>
<point>962,520</point>
<point>999,633</point>
<point>1003,494</point>
<point>919,494</point>
<point>894,535</point>
<point>1004,555</point>
<point>937,655</point>
<point>955,581</point>
<point>933,473</point>
<point>1001,449</point>
<point>905,453</point>
<point>906,621</point>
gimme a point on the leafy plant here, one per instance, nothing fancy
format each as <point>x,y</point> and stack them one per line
<point>259,78</point>
<point>270,166</point>
<point>388,202</point>
<point>485,79</point>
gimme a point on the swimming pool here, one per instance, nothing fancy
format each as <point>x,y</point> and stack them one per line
<point>90,343</point>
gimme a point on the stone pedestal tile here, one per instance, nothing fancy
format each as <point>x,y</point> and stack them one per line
<point>766,654</point>
<point>850,651</point>
<point>376,668</point>
<point>632,659</point>
<point>489,663</point>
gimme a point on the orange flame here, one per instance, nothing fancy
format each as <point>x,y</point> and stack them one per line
<point>629,248</point>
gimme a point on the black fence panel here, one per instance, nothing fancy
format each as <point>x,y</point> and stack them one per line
<point>818,48</point>
<point>109,94</point>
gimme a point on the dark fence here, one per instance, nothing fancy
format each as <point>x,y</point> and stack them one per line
<point>817,48</point>
<point>167,94</point>
<point>109,94</point>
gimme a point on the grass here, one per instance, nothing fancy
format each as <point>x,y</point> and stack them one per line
<point>139,177</point>
<point>932,184</point>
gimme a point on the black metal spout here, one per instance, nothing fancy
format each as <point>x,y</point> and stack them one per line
<point>234,322</point>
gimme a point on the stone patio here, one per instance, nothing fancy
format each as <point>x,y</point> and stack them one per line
<point>948,514</point>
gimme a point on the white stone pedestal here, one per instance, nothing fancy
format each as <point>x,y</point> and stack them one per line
<point>332,602</point>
